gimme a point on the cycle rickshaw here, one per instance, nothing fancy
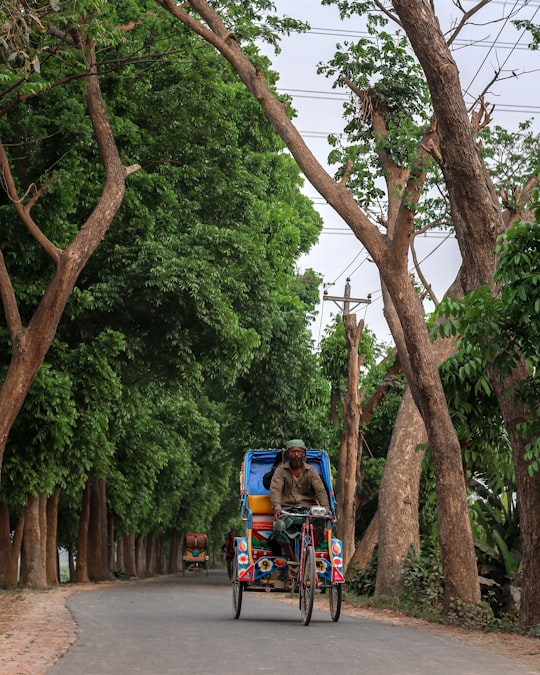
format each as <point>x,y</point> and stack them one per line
<point>195,553</point>
<point>256,568</point>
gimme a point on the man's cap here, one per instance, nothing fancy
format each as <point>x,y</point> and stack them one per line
<point>296,443</point>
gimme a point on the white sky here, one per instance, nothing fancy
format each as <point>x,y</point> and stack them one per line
<point>499,45</point>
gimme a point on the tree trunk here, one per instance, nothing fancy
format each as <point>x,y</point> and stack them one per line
<point>32,572</point>
<point>391,257</point>
<point>82,540</point>
<point>42,507</point>
<point>398,498</point>
<point>72,566</point>
<point>10,550</point>
<point>140,556</point>
<point>174,553</point>
<point>528,498</point>
<point>111,546</point>
<point>152,555</point>
<point>455,535</point>
<point>97,556</point>
<point>399,529</point>
<point>334,402</point>
<point>128,547</point>
<point>30,344</point>
<point>52,571</point>
<point>478,221</point>
<point>364,551</point>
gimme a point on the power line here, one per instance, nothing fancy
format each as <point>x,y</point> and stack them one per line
<point>338,96</point>
<point>340,231</point>
<point>462,42</point>
<point>493,45</point>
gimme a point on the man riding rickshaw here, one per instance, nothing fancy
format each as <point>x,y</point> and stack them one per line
<point>288,543</point>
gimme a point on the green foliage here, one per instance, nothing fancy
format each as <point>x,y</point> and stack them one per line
<point>461,614</point>
<point>423,595</point>
<point>495,525</point>
<point>256,20</point>
<point>533,29</point>
<point>501,331</point>
<point>334,354</point>
<point>394,86</point>
<point>423,580</point>
<point>362,582</point>
<point>512,157</point>
<point>186,339</point>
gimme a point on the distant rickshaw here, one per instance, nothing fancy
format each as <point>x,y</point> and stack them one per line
<point>195,553</point>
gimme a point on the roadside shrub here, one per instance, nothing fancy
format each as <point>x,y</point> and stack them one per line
<point>362,582</point>
<point>423,580</point>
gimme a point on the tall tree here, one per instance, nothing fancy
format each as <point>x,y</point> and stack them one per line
<point>478,222</point>
<point>31,335</point>
<point>196,279</point>
<point>390,254</point>
<point>499,329</point>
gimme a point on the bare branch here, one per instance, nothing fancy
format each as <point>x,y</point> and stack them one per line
<point>346,173</point>
<point>9,301</point>
<point>466,16</point>
<point>426,284</point>
<point>23,210</point>
<point>482,117</point>
<point>388,13</point>
<point>38,192</point>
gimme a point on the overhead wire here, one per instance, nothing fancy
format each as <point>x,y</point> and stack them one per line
<point>494,45</point>
<point>341,96</point>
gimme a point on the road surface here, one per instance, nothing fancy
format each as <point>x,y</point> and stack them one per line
<point>179,624</point>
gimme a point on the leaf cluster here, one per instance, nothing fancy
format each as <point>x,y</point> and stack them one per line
<point>502,331</point>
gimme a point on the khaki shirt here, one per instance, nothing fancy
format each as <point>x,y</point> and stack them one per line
<point>287,491</point>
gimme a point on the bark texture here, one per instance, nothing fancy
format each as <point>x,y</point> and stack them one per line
<point>32,572</point>
<point>478,220</point>
<point>82,539</point>
<point>10,548</point>
<point>398,498</point>
<point>98,542</point>
<point>364,551</point>
<point>51,552</point>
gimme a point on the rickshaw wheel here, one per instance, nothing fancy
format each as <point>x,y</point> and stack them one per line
<point>238,590</point>
<point>336,591</point>
<point>307,585</point>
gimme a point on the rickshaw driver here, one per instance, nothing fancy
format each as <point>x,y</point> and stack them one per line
<point>295,486</point>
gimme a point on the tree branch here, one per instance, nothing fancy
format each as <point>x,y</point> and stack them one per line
<point>338,196</point>
<point>9,301</point>
<point>23,211</point>
<point>466,16</point>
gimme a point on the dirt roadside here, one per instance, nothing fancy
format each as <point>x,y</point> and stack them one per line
<point>36,628</point>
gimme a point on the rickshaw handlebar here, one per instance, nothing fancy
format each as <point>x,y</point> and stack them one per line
<point>309,514</point>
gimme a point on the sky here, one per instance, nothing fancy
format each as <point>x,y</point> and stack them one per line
<point>492,43</point>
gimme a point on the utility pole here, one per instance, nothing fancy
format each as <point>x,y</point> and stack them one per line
<point>349,450</point>
<point>346,299</point>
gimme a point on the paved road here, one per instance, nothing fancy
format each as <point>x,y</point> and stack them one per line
<point>181,624</point>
